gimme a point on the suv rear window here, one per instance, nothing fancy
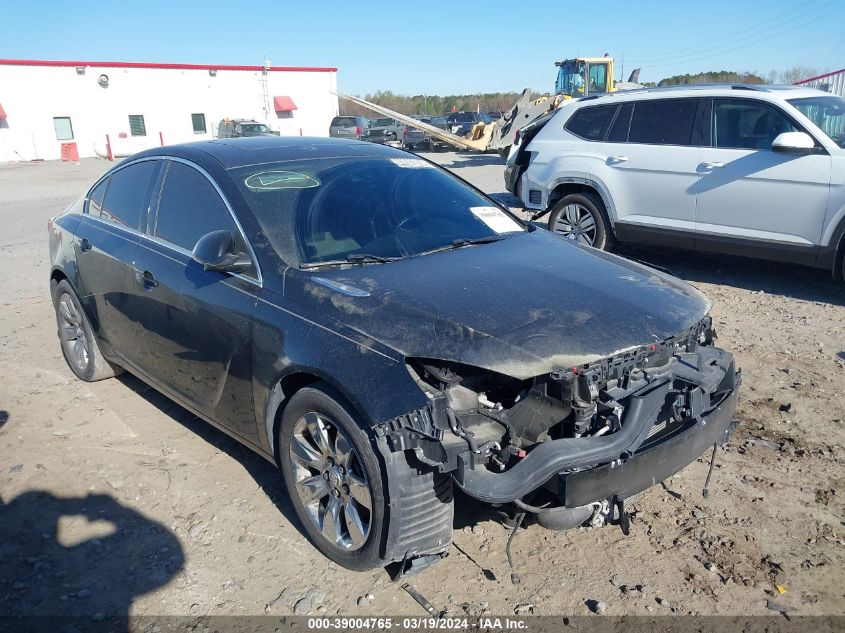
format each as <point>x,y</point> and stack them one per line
<point>663,122</point>
<point>591,123</point>
<point>343,121</point>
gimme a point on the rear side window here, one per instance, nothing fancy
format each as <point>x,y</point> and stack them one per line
<point>127,195</point>
<point>591,123</point>
<point>663,122</point>
<point>190,207</point>
<point>747,124</point>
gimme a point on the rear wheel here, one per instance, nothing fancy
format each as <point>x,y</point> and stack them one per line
<point>79,346</point>
<point>582,218</point>
<point>333,477</point>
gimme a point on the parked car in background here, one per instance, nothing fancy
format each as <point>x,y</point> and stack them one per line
<point>461,123</point>
<point>238,128</point>
<point>353,127</point>
<point>385,130</point>
<point>742,169</point>
<point>415,138</point>
<point>357,316</point>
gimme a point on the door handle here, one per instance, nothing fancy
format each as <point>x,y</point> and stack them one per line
<point>615,160</point>
<point>146,279</point>
<point>85,245</point>
<point>712,164</point>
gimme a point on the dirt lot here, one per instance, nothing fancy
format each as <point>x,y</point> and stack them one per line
<point>114,500</point>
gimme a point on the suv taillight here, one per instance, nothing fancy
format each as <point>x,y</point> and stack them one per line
<point>358,132</point>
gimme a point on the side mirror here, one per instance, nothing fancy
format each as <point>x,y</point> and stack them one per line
<point>216,251</point>
<point>794,143</point>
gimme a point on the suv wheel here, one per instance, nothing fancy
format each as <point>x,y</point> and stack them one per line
<point>333,478</point>
<point>581,217</point>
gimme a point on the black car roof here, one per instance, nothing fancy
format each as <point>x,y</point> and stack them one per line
<point>237,152</point>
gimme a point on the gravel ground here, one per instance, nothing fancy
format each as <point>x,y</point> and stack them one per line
<point>114,500</point>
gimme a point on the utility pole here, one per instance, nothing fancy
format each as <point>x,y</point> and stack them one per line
<point>621,68</point>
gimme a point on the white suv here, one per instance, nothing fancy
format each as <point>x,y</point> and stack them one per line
<point>748,170</point>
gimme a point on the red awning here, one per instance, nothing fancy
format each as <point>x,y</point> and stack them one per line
<point>2,112</point>
<point>283,104</point>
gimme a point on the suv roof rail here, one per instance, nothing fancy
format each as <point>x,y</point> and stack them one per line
<point>677,87</point>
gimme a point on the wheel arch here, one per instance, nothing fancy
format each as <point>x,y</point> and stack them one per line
<point>565,186</point>
<point>286,386</point>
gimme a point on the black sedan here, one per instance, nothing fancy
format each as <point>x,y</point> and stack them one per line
<point>382,330</point>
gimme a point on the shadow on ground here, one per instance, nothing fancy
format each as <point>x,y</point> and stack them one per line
<point>265,474</point>
<point>789,280</point>
<point>80,556</point>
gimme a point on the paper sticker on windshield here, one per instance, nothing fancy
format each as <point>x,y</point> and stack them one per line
<point>410,163</point>
<point>272,180</point>
<point>496,219</point>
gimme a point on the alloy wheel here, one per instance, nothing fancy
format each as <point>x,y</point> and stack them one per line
<point>576,223</point>
<point>331,482</point>
<point>72,333</point>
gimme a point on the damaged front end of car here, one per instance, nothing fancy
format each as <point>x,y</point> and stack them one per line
<point>573,444</point>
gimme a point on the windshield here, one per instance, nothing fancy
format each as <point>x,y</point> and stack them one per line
<point>462,117</point>
<point>828,113</point>
<point>383,122</point>
<point>331,209</point>
<point>570,79</point>
<point>255,128</point>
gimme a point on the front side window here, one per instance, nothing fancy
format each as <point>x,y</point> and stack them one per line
<point>663,122</point>
<point>127,195</point>
<point>137,126</point>
<point>598,78</point>
<point>190,207</point>
<point>198,123</point>
<point>747,124</point>
<point>591,123</point>
<point>329,209</point>
<point>64,129</point>
<point>828,113</point>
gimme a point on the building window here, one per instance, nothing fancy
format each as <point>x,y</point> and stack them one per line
<point>136,125</point>
<point>64,130</point>
<point>198,121</point>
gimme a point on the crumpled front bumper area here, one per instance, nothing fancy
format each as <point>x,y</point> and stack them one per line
<point>651,445</point>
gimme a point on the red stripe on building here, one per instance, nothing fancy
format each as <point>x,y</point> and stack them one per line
<point>68,63</point>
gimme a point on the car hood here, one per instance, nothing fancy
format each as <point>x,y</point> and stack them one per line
<point>525,306</point>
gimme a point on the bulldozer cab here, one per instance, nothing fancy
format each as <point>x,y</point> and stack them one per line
<point>584,76</point>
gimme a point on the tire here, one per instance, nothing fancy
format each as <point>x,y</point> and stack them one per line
<point>582,217</point>
<point>79,345</point>
<point>321,428</point>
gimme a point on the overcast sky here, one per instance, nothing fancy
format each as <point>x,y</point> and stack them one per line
<point>436,47</point>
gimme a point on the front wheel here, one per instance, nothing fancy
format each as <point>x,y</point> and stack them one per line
<point>581,217</point>
<point>333,478</point>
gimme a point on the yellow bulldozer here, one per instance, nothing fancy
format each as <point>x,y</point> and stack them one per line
<point>576,78</point>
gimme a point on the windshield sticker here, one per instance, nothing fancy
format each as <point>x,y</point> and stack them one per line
<point>496,219</point>
<point>273,180</point>
<point>411,163</point>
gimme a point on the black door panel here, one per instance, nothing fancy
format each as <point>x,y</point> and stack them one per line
<point>195,335</point>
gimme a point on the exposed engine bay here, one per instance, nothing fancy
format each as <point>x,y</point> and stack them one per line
<point>572,445</point>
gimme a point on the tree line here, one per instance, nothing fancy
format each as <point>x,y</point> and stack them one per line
<point>502,101</point>
<point>432,104</point>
